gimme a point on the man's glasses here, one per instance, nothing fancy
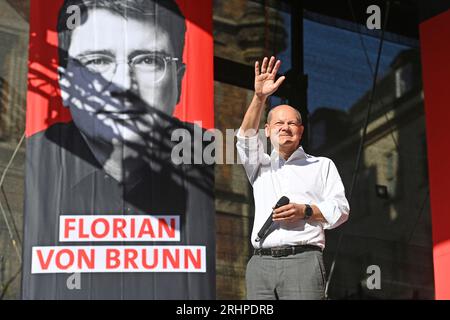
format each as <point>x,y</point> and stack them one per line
<point>151,67</point>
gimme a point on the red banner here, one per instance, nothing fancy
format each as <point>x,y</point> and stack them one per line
<point>111,212</point>
<point>435,50</point>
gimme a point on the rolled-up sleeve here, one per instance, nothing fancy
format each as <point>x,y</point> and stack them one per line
<point>334,207</point>
<point>251,153</point>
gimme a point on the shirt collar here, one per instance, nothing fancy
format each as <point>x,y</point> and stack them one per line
<point>83,164</point>
<point>298,154</point>
<point>87,166</point>
<point>100,175</point>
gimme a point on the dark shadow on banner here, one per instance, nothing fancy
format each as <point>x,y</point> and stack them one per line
<point>111,212</point>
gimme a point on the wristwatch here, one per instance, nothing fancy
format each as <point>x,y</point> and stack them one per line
<point>308,212</point>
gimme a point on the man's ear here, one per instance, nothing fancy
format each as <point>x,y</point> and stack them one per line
<point>267,130</point>
<point>61,72</point>
<point>64,85</point>
<point>180,75</point>
<point>302,128</point>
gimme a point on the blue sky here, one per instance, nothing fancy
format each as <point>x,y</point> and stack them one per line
<point>336,65</point>
<point>334,60</point>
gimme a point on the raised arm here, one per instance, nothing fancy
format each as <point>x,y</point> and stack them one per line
<point>265,85</point>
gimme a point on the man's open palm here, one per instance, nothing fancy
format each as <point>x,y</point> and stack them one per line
<point>265,83</point>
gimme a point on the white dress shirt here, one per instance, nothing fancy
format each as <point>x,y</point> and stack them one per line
<point>304,179</point>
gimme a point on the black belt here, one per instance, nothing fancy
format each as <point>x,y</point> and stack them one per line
<point>285,251</point>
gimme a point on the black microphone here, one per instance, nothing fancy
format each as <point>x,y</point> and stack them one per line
<point>263,232</point>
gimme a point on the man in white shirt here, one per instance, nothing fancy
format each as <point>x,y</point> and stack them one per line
<point>287,262</point>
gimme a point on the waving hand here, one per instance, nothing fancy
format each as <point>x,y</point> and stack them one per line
<point>265,83</point>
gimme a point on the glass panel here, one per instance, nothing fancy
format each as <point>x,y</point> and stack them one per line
<point>13,88</point>
<point>389,220</point>
<point>234,218</point>
<point>245,30</point>
<point>337,67</point>
<point>13,72</point>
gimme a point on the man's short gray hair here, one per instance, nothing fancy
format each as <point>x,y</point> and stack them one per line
<point>299,116</point>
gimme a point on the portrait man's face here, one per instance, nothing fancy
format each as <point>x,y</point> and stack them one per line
<point>118,69</point>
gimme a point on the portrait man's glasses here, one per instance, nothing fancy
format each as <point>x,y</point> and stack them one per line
<point>149,67</point>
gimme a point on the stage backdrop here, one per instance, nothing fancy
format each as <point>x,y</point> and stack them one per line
<point>109,213</point>
<point>435,49</point>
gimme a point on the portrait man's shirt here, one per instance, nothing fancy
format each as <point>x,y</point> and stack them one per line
<point>75,184</point>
